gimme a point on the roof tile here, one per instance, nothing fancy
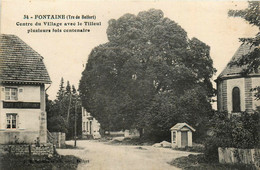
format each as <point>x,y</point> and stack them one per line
<point>19,62</point>
<point>234,70</point>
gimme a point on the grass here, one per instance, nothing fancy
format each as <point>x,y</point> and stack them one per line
<point>194,148</point>
<point>198,162</point>
<point>57,162</point>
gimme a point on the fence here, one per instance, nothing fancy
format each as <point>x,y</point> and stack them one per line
<point>235,155</point>
<point>58,139</point>
<point>43,150</point>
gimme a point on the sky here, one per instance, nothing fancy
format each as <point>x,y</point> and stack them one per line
<point>65,54</point>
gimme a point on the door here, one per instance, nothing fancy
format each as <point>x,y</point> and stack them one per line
<point>90,127</point>
<point>184,138</point>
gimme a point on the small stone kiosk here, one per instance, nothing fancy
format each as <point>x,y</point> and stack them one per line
<point>181,135</point>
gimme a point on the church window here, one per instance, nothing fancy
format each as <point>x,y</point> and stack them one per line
<point>236,99</point>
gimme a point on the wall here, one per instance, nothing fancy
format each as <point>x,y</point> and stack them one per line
<point>132,133</point>
<point>248,101</point>
<point>43,117</point>
<point>189,138</point>
<point>30,93</point>
<point>234,155</point>
<point>19,136</point>
<point>255,82</point>
<point>58,139</point>
<point>177,143</point>
<point>178,139</point>
<point>28,119</point>
<point>43,150</point>
<point>222,95</point>
<point>231,83</point>
<point>31,123</point>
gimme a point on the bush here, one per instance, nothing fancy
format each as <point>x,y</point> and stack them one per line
<point>238,131</point>
<point>26,162</point>
<point>211,149</point>
<point>195,148</point>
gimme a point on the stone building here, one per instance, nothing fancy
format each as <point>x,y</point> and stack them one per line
<point>90,126</point>
<point>181,135</point>
<point>234,88</point>
<point>23,77</point>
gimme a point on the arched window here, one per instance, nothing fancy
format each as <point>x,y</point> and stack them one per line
<point>236,99</point>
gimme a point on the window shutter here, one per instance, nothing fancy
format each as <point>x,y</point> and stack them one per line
<point>2,97</point>
<point>19,93</point>
<point>17,122</point>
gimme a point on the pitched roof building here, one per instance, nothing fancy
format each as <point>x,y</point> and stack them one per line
<point>20,63</point>
<point>23,76</point>
<point>234,88</point>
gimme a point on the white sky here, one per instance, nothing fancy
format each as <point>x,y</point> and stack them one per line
<point>65,53</point>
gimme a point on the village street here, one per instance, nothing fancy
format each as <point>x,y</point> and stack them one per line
<point>103,156</point>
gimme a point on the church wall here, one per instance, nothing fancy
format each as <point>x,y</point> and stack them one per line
<point>219,95</point>
<point>231,83</point>
<point>248,95</point>
<point>255,82</point>
<point>222,95</point>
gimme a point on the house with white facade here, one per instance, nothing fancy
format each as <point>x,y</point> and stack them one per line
<point>90,126</point>
<point>234,88</point>
<point>23,79</point>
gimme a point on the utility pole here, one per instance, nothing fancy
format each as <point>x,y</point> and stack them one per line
<point>75,123</point>
<point>68,114</point>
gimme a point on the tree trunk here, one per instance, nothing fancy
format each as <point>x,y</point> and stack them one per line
<point>141,132</point>
<point>68,114</point>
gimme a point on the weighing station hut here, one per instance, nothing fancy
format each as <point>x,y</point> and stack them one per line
<point>181,135</point>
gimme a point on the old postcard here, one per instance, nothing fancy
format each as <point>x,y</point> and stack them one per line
<point>138,85</point>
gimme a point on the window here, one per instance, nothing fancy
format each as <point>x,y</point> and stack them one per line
<point>11,93</point>
<point>90,127</point>
<point>174,137</point>
<point>11,121</point>
<point>84,127</point>
<point>236,99</point>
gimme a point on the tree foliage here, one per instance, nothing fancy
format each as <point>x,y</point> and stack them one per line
<point>61,111</point>
<point>145,74</point>
<point>252,59</point>
<point>237,131</point>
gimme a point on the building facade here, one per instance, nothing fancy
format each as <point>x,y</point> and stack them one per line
<point>234,88</point>
<point>90,126</point>
<point>23,79</point>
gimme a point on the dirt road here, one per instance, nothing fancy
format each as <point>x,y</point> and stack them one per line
<point>102,156</point>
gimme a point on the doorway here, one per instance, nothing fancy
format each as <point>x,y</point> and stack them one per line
<point>184,138</point>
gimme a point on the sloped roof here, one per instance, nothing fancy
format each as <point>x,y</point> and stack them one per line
<point>19,62</point>
<point>179,126</point>
<point>234,70</point>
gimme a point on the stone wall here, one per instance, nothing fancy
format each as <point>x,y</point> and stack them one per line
<point>21,136</point>
<point>234,155</point>
<point>31,150</point>
<point>132,133</point>
<point>58,139</point>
